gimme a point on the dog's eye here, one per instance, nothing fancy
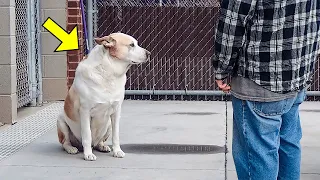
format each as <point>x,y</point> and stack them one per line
<point>132,44</point>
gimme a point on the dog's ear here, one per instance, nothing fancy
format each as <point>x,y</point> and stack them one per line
<point>98,40</point>
<point>106,41</point>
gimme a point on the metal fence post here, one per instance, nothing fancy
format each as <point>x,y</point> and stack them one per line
<point>39,63</point>
<point>95,19</point>
<point>90,22</point>
<point>30,52</point>
<point>32,55</point>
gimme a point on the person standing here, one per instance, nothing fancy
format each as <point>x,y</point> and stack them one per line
<point>269,48</point>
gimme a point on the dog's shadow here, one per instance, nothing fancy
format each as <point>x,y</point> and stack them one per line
<point>56,151</point>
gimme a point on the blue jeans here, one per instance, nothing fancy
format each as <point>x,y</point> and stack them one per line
<point>266,139</point>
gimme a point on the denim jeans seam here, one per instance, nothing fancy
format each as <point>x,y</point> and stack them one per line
<point>285,106</point>
<point>256,110</point>
<point>246,139</point>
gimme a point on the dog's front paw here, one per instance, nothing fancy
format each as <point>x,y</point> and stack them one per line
<point>118,153</point>
<point>90,157</point>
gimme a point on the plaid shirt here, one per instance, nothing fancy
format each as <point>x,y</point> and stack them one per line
<point>275,43</point>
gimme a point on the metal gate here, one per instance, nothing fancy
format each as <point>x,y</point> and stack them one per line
<point>28,56</point>
<point>180,36</point>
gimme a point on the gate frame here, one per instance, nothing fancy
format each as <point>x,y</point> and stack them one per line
<point>34,60</point>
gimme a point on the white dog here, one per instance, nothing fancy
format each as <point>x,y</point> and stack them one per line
<point>93,104</point>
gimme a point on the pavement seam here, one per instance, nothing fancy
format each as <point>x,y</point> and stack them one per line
<point>226,142</point>
<point>311,173</point>
<point>102,167</point>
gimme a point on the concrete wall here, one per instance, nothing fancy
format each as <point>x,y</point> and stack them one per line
<point>8,96</point>
<point>54,63</point>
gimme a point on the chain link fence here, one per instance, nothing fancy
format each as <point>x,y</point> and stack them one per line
<point>23,86</point>
<point>315,86</point>
<point>28,52</point>
<point>179,34</point>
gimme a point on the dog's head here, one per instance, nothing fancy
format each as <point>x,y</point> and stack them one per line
<point>124,47</point>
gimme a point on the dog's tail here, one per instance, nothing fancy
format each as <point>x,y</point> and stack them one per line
<point>61,136</point>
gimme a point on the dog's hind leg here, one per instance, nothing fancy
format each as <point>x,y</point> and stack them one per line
<point>64,138</point>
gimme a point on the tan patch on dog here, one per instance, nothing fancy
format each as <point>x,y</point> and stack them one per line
<point>121,39</point>
<point>60,136</point>
<point>69,105</point>
<point>120,49</point>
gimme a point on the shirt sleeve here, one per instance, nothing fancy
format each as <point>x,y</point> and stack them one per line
<point>230,34</point>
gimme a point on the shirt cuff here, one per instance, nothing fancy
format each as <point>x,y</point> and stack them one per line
<point>219,76</point>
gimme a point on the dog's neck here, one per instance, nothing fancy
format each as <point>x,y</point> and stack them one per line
<point>118,67</point>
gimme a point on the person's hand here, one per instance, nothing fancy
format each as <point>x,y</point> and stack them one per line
<point>223,86</point>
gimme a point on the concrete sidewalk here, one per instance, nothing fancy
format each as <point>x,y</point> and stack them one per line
<point>30,149</point>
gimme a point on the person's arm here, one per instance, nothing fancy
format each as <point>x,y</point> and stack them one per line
<point>234,16</point>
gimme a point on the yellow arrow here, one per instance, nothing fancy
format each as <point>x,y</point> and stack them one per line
<point>68,41</point>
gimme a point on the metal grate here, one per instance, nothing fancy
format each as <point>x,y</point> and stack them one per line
<point>25,131</point>
<point>22,40</point>
<point>172,149</point>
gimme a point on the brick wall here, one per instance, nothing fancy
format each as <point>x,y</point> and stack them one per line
<point>74,57</point>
